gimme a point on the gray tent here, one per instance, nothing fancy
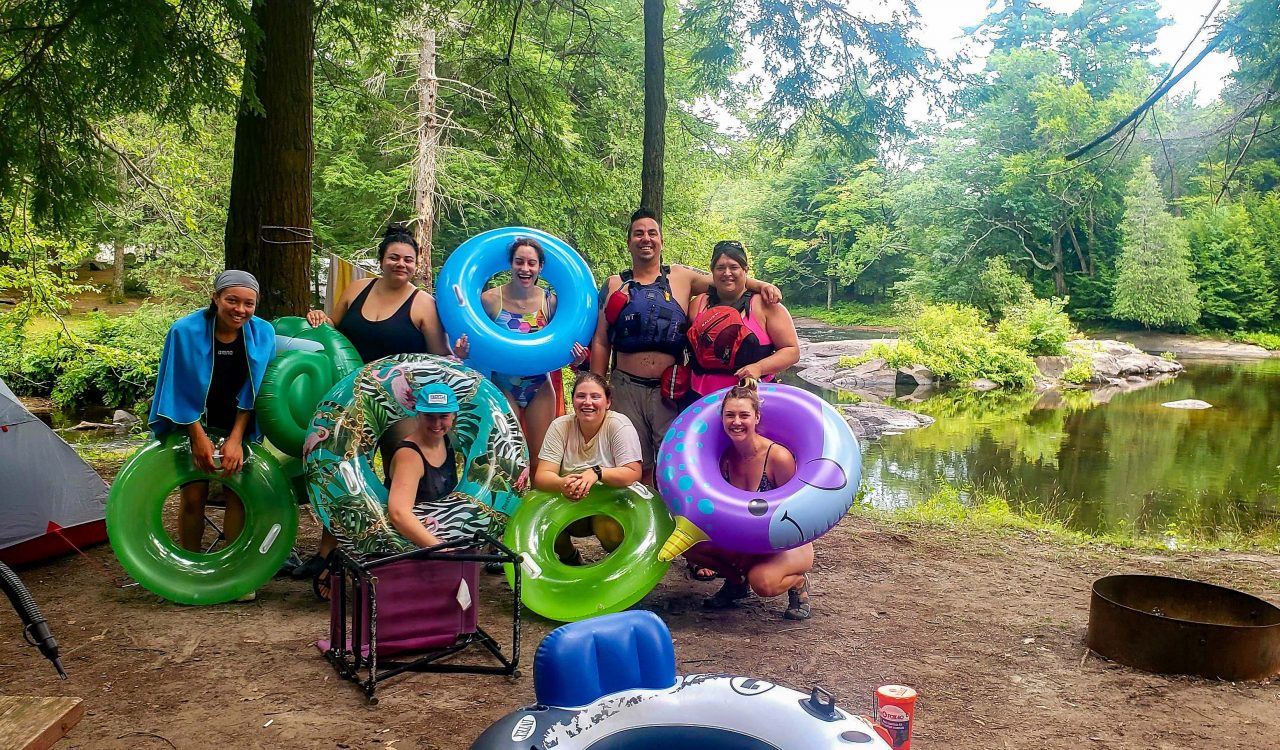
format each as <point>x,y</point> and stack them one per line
<point>49,497</point>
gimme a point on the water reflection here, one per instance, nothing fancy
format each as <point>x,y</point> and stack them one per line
<point>1102,461</point>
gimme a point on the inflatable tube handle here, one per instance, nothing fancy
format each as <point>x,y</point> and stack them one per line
<point>530,566</point>
<point>457,292</point>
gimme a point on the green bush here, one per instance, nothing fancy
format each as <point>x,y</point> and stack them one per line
<point>112,361</point>
<point>1264,339</point>
<point>999,288</point>
<point>956,345</point>
<point>1038,327</point>
<point>1080,371</point>
<point>953,341</point>
<point>883,315</point>
<point>896,356</point>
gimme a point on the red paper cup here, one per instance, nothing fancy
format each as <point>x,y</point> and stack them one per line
<point>895,712</point>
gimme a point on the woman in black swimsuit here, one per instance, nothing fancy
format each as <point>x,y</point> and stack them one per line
<point>380,317</point>
<point>388,314</point>
<point>424,472</point>
<point>755,463</point>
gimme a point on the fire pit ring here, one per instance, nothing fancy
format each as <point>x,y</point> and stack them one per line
<point>1179,626</point>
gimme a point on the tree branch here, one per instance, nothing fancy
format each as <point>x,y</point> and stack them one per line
<point>1155,96</point>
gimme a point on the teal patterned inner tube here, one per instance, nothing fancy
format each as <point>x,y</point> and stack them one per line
<point>349,499</point>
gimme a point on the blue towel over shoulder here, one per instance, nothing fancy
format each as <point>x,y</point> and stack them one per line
<point>186,366</point>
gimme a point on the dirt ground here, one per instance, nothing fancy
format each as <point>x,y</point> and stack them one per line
<point>988,627</point>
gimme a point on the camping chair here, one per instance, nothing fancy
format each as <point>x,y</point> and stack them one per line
<point>420,604</point>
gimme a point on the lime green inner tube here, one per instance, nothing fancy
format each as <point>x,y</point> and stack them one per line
<point>567,593</point>
<point>146,551</point>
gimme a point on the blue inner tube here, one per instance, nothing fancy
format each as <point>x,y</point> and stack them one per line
<point>496,349</point>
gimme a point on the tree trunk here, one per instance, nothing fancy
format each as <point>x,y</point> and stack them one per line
<point>269,213</point>
<point>831,289</point>
<point>117,273</point>
<point>1086,263</point>
<point>424,165</point>
<point>655,107</point>
<point>1059,274</point>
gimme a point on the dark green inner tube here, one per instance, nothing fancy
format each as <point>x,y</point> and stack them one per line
<point>296,381</point>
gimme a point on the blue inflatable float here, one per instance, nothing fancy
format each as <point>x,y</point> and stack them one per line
<point>494,348</point>
<point>609,683</point>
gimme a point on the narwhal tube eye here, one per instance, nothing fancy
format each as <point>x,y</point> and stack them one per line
<point>758,507</point>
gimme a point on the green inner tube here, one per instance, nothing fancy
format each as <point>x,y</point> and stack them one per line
<point>147,552</point>
<point>567,593</point>
<point>296,381</point>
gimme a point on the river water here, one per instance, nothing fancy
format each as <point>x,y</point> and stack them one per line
<point>1127,464</point>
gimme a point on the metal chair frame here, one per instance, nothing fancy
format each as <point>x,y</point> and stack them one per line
<point>367,671</point>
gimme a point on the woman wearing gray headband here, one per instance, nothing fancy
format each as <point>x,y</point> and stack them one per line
<point>210,372</point>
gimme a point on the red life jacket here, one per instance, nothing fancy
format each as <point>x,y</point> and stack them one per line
<point>721,340</point>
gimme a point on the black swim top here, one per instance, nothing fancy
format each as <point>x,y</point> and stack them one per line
<point>230,369</point>
<point>382,338</point>
<point>765,483</point>
<point>437,481</point>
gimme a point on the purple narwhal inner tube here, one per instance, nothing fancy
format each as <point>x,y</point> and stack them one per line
<point>707,507</point>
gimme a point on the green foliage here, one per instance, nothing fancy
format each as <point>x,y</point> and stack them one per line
<point>952,506</point>
<point>110,361</point>
<point>997,186</point>
<point>1153,281</point>
<point>846,314</point>
<point>1236,290</point>
<point>831,221</point>
<point>1264,339</point>
<point>999,288</point>
<point>957,346</point>
<point>805,47</point>
<point>1039,327</point>
<point>1079,372</point>
<point>954,343</point>
<point>899,355</point>
<point>64,73</point>
<point>989,510</point>
<point>38,265</point>
<point>542,128</point>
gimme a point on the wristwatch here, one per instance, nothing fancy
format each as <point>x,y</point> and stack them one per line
<point>599,472</point>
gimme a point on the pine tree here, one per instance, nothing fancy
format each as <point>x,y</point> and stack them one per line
<point>1153,281</point>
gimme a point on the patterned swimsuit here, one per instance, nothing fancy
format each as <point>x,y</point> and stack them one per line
<point>522,388</point>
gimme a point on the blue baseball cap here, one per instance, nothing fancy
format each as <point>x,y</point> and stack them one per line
<point>436,398</point>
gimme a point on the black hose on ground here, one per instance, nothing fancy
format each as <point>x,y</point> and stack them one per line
<point>35,628</point>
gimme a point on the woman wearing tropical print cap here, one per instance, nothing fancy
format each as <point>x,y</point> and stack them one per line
<point>424,471</point>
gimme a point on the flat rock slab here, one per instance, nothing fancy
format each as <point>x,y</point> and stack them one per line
<point>874,421</point>
<point>28,723</point>
<point>1188,403</point>
<point>1193,346</point>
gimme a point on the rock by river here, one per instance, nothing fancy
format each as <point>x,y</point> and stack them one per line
<point>1116,365</point>
<point>874,421</point>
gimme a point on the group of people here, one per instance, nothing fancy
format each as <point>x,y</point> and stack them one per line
<point>656,339</point>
